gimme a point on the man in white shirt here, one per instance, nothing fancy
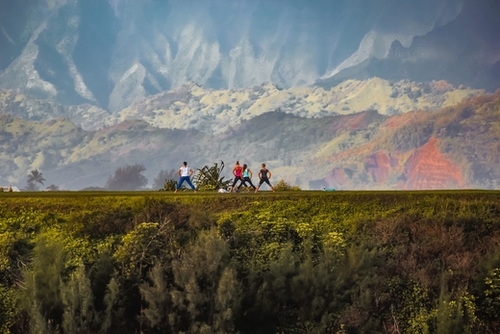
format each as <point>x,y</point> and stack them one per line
<point>185,175</point>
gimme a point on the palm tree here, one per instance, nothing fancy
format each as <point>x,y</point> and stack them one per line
<point>35,177</point>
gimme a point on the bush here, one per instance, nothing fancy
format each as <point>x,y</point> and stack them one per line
<point>169,185</point>
<point>7,308</point>
<point>357,262</point>
<point>282,185</point>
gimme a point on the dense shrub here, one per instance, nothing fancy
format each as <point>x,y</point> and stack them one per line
<point>210,178</point>
<point>170,185</point>
<point>282,185</point>
<point>343,262</point>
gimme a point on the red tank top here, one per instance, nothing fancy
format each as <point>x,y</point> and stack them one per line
<point>237,171</point>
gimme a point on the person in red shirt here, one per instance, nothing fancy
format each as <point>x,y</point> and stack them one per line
<point>237,172</point>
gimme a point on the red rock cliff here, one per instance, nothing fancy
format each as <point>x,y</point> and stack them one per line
<point>428,168</point>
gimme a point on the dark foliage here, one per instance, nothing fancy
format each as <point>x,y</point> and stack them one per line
<point>128,177</point>
<point>34,178</point>
<point>210,178</point>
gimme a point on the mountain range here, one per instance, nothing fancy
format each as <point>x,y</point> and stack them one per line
<point>210,110</point>
<point>361,94</point>
<point>453,147</point>
<point>114,53</point>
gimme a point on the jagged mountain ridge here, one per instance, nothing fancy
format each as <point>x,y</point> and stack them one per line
<point>211,111</point>
<point>454,147</point>
<point>464,50</point>
<point>115,53</point>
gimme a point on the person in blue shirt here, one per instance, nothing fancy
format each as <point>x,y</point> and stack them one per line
<point>247,177</point>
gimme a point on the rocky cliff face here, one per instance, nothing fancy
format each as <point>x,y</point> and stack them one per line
<point>115,53</point>
<point>454,147</point>
<point>428,168</point>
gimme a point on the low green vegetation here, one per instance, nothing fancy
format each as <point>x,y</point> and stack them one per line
<point>289,262</point>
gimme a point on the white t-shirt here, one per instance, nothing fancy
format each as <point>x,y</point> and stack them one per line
<point>184,171</point>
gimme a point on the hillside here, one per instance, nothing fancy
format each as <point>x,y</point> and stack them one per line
<point>17,104</point>
<point>72,157</point>
<point>210,111</point>
<point>213,111</point>
<point>453,147</point>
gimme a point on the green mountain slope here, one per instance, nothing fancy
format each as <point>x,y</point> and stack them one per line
<point>453,147</point>
<point>74,158</point>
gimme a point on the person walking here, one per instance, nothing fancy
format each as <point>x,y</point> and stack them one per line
<point>237,172</point>
<point>185,175</point>
<point>247,177</point>
<point>264,176</point>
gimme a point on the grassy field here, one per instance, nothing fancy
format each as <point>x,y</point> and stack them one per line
<point>285,262</point>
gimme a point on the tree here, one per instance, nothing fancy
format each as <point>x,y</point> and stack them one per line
<point>128,177</point>
<point>31,187</point>
<point>209,178</point>
<point>53,187</point>
<point>163,176</point>
<point>41,295</point>
<point>282,185</point>
<point>205,294</point>
<point>34,177</point>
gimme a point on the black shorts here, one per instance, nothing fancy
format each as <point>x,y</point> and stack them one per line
<point>236,179</point>
<point>266,180</point>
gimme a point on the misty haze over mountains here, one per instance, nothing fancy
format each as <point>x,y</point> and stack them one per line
<point>197,66</point>
<point>113,53</point>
